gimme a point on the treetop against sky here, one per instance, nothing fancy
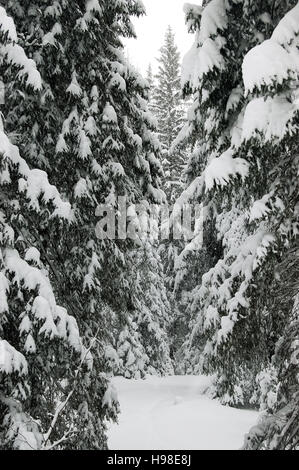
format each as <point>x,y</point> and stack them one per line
<point>150,30</point>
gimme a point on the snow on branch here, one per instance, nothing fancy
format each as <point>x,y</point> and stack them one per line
<point>55,320</point>
<point>193,190</point>
<point>267,64</point>
<point>200,60</point>
<point>7,26</point>
<point>11,360</point>
<point>34,183</point>
<point>222,169</point>
<point>193,15</point>
<point>109,114</point>
<point>214,19</point>
<point>241,261</point>
<point>50,37</point>
<point>15,55</point>
<point>276,59</point>
<point>205,54</point>
<point>271,118</point>
<point>288,28</point>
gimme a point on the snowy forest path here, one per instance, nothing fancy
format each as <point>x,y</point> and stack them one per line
<point>173,413</point>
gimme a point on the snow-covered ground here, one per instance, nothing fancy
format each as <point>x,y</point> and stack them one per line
<point>173,414</point>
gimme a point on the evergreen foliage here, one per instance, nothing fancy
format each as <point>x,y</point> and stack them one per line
<point>243,70</point>
<point>168,108</point>
<point>44,365</point>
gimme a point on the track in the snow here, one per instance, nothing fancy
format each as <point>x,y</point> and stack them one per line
<point>172,413</point>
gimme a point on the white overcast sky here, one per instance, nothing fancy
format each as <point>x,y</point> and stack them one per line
<point>151,30</point>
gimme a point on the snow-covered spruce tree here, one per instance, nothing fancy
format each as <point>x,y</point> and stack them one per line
<point>244,169</point>
<point>209,84</point>
<point>96,136</point>
<point>168,107</point>
<point>42,358</point>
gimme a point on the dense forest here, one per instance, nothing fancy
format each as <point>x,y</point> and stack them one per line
<point>212,141</point>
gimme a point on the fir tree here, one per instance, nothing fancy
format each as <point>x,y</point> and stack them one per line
<point>168,107</point>
<point>42,358</point>
<point>244,170</point>
<point>95,131</point>
<point>169,110</point>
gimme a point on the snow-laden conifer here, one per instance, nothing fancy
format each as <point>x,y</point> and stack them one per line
<point>91,128</point>
<point>245,121</point>
<point>42,356</point>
